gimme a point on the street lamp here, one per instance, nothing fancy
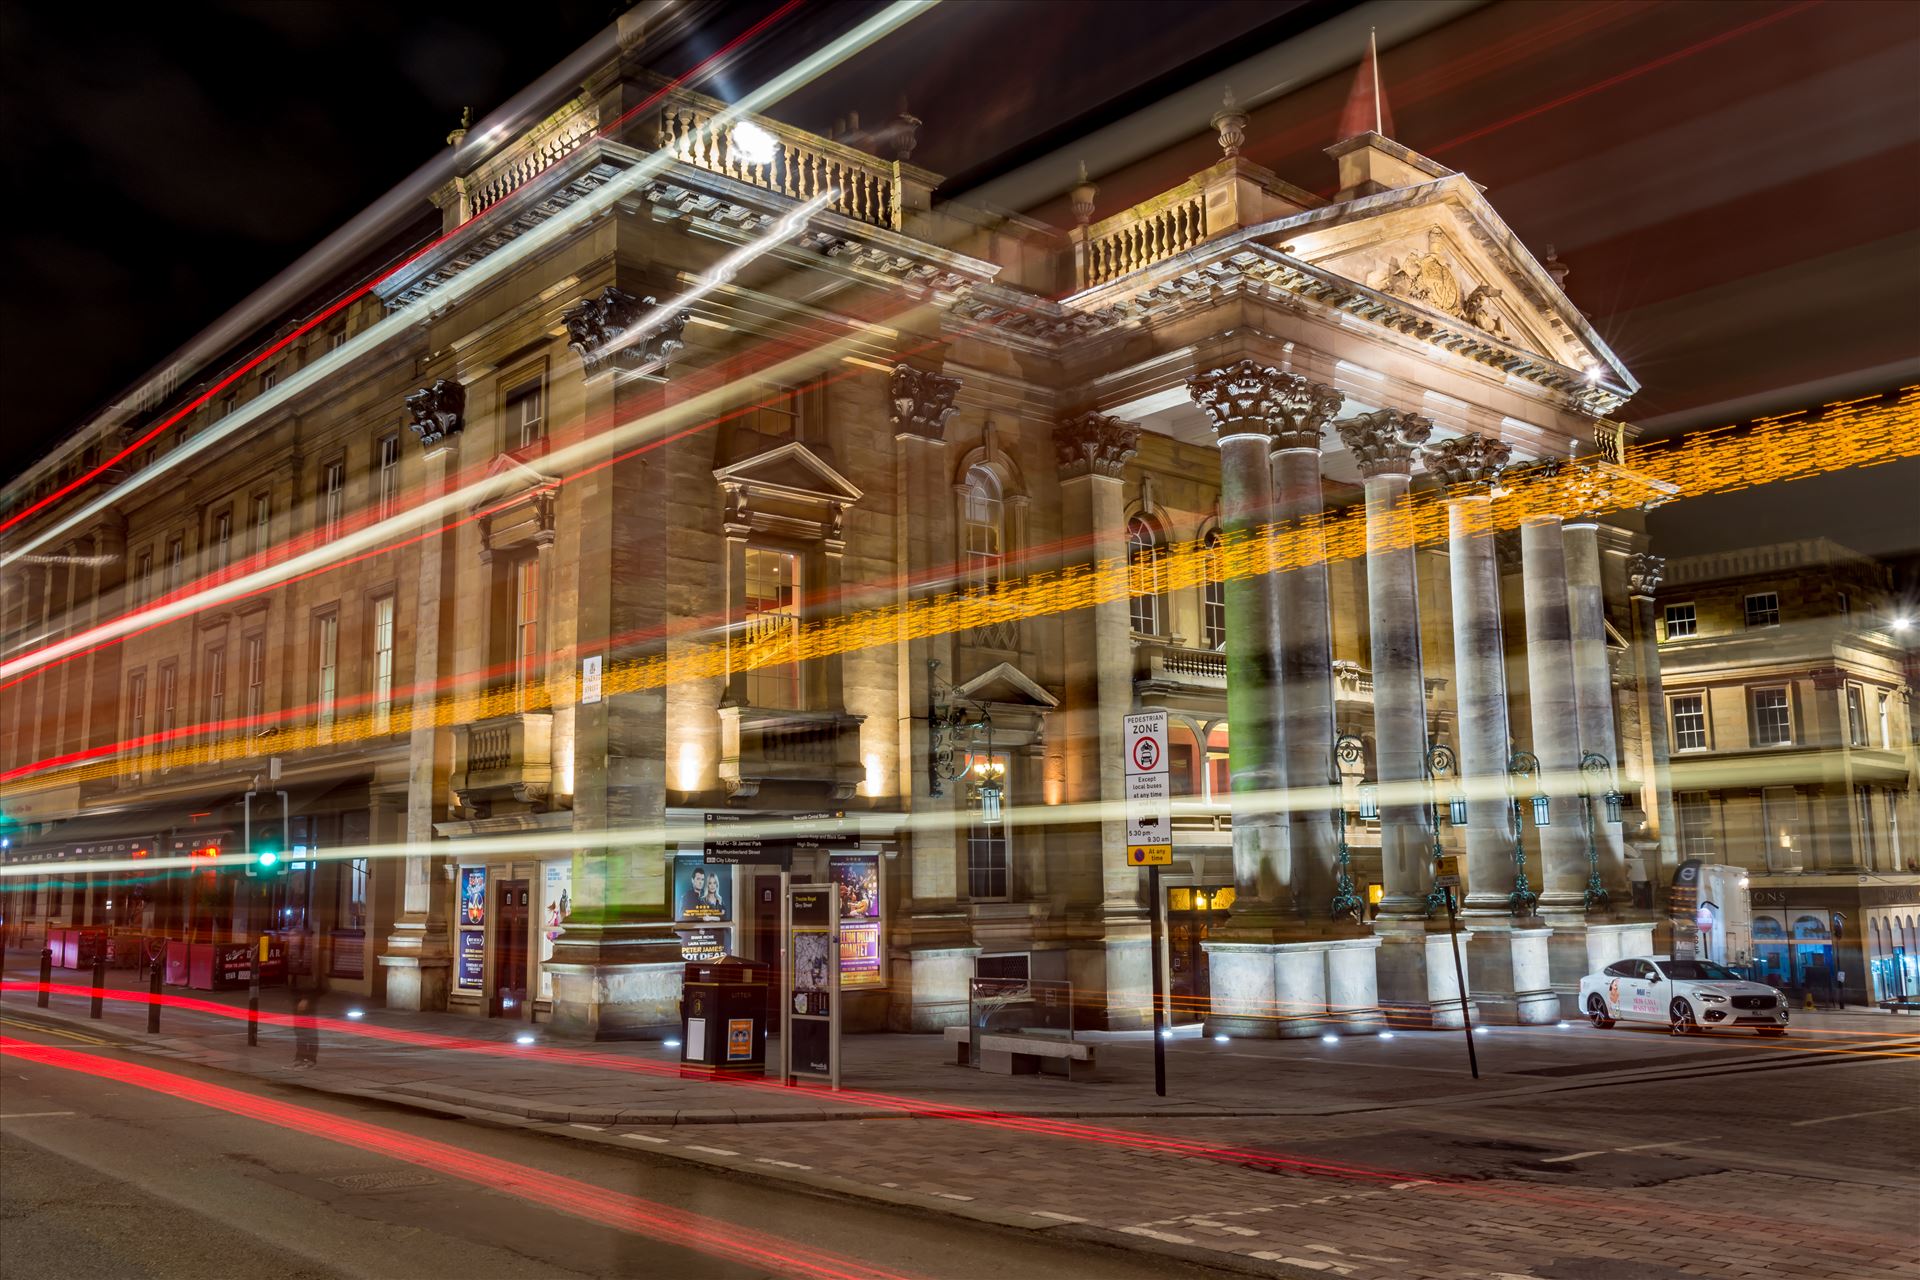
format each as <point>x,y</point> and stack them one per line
<point>1441,763</point>
<point>1524,764</point>
<point>1594,766</point>
<point>988,787</point>
<point>1347,750</point>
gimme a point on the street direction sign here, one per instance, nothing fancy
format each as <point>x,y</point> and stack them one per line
<point>1149,800</point>
<point>727,846</point>
<point>827,829</point>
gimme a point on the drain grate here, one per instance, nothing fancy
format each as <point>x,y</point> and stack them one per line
<point>384,1180</point>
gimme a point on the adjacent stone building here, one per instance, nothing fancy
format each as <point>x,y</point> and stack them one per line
<point>700,465</point>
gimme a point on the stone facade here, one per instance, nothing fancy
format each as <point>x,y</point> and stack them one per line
<point>604,556</point>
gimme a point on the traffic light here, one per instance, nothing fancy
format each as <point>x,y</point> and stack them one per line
<point>267,853</point>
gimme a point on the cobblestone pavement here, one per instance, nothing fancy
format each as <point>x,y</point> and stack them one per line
<point>1578,1156</point>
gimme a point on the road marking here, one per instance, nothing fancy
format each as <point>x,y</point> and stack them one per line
<point>712,1151</point>
<point>642,1137</point>
<point>596,1128</point>
<point>951,1195</point>
<point>782,1164</point>
<point>1057,1217</point>
<point>33,1115</point>
<point>52,1031</point>
<point>1578,1155</point>
<point>1856,1115</point>
<point>1652,1146</point>
<point>1166,1237</point>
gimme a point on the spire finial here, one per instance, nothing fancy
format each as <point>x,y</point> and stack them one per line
<point>1366,110</point>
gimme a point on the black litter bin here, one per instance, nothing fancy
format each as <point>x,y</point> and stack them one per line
<point>723,1016</point>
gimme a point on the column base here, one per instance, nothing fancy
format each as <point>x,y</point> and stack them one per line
<point>1419,986</point>
<point>1510,971</point>
<point>1581,946</point>
<point>418,976</point>
<point>1113,981</point>
<point>617,982</point>
<point>1293,989</point>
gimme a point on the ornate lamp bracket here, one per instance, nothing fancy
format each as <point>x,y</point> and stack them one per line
<point>1346,905</point>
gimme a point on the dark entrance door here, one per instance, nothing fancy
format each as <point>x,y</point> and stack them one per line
<point>510,931</point>
<point>766,938</point>
<point>1187,927</point>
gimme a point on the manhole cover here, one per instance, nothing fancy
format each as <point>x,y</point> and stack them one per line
<point>385,1180</point>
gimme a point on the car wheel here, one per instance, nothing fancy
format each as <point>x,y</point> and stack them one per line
<point>1597,1011</point>
<point>1773,1031</point>
<point>1680,1018</point>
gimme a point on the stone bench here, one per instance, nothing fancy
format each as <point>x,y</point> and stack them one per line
<point>1009,1053</point>
<point>1910,1004</point>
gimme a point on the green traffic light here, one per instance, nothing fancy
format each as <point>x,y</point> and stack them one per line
<point>267,858</point>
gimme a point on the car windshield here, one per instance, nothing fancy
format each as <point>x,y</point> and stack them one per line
<point>1699,971</point>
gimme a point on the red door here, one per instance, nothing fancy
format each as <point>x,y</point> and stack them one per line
<point>510,933</point>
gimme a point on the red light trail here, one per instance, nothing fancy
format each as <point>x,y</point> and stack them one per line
<point>615,1209</point>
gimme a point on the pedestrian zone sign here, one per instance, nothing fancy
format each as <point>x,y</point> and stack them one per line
<point>1149,802</point>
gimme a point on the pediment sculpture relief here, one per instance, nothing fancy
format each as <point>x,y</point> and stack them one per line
<point>1425,277</point>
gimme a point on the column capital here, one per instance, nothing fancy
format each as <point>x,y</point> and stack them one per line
<point>1644,573</point>
<point>1383,442</point>
<point>604,328</point>
<point>438,411</point>
<point>1467,466</point>
<point>1301,412</point>
<point>922,402</point>
<point>1094,444</point>
<point>1240,398</point>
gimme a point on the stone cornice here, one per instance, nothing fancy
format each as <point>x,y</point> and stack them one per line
<point>1384,442</point>
<point>1094,444</point>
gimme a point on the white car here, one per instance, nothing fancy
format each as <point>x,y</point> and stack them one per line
<point>1687,995</point>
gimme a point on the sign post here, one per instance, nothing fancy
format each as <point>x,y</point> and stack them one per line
<point>1150,845</point>
<point>1448,882</point>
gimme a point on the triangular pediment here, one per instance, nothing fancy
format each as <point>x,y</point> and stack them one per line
<point>1440,246</point>
<point>1006,685</point>
<point>788,470</point>
<point>510,473</point>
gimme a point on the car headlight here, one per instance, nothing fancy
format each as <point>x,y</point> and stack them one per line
<point>1709,998</point>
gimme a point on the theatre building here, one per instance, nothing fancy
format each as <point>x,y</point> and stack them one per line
<point>701,465</point>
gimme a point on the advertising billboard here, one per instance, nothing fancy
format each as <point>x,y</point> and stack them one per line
<point>473,897</point>
<point>856,879</point>
<point>701,893</point>
<point>556,904</point>
<point>472,974</point>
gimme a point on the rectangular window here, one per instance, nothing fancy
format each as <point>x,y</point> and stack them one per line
<point>353,894</point>
<point>256,682</point>
<point>1772,723</point>
<point>223,539</point>
<point>1763,610</point>
<point>216,687</point>
<point>334,498</point>
<point>984,523</point>
<point>1856,717</point>
<point>771,633</point>
<point>226,405</point>
<point>526,630</point>
<point>989,864</point>
<point>1690,722</point>
<point>1696,823</point>
<point>337,339</point>
<point>775,413</point>
<point>1681,621</point>
<point>526,421</point>
<point>145,578</point>
<point>262,524</point>
<point>1863,802</point>
<point>1780,815</point>
<point>1213,599</point>
<point>382,664</point>
<point>269,380</point>
<point>169,693</point>
<point>176,563</point>
<point>326,678</point>
<point>1846,605</point>
<point>1885,701</point>
<point>389,474</point>
<point>137,718</point>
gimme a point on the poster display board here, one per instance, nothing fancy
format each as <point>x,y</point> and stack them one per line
<point>856,880</point>
<point>473,897</point>
<point>470,958</point>
<point>472,974</point>
<point>701,894</point>
<point>705,944</point>
<point>556,904</point>
<point>810,1017</point>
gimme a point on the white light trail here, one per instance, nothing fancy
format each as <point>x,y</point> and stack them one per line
<point>527,246</point>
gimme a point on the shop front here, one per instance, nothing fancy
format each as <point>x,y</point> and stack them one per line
<point>508,913</point>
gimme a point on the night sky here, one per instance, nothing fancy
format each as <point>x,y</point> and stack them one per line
<point>1736,186</point>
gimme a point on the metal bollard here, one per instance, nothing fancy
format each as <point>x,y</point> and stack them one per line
<point>46,976</point>
<point>253,1001</point>
<point>153,998</point>
<point>99,983</point>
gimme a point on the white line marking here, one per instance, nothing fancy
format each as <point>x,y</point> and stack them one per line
<point>784,1164</point>
<point>1654,1146</point>
<point>642,1137</point>
<point>712,1151</point>
<point>1856,1115</point>
<point>951,1195</point>
<point>596,1128</point>
<point>1057,1217</point>
<point>1578,1155</point>
<point>31,1115</point>
<point>1166,1236</point>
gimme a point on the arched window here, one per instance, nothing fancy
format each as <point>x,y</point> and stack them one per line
<point>985,529</point>
<point>1143,557</point>
<point>1213,597</point>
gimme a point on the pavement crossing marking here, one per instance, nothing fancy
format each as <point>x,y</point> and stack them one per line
<point>1856,1115</point>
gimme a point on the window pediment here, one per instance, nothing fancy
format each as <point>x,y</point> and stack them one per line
<point>784,488</point>
<point>519,502</point>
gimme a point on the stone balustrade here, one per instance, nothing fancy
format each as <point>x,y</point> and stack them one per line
<point>1150,232</point>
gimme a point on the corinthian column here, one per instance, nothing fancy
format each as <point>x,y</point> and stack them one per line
<point>1593,693</point>
<point>1556,712</point>
<point>1468,466</point>
<point>1383,444</point>
<point>1241,401</point>
<point>1303,410</point>
<point>1644,573</point>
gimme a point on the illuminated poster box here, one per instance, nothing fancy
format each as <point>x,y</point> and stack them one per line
<point>856,877</point>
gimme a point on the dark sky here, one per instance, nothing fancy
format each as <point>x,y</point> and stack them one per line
<point>1736,185</point>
